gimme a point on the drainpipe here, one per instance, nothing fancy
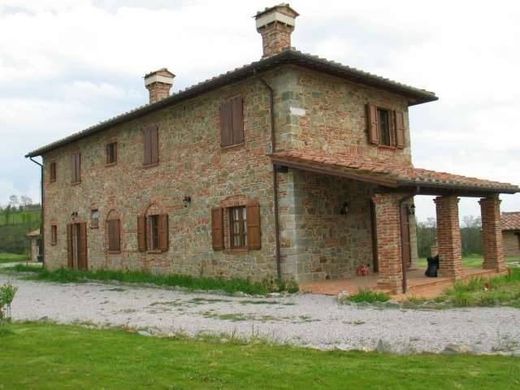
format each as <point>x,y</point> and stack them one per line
<point>42,230</point>
<point>275,181</point>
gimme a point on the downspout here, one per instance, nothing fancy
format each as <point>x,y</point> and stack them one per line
<point>42,229</point>
<point>275,181</point>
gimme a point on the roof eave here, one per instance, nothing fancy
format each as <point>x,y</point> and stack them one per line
<point>477,190</point>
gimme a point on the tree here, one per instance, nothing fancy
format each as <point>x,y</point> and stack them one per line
<point>25,200</point>
<point>13,200</point>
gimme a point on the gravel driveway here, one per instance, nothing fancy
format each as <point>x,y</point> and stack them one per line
<point>307,320</point>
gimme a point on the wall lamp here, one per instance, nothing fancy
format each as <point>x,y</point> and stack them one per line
<point>411,209</point>
<point>186,200</point>
<point>344,208</point>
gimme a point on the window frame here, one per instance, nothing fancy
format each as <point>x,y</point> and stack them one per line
<point>150,159</point>
<point>54,234</point>
<point>111,151</point>
<point>389,129</point>
<point>94,219</point>
<point>109,228</point>
<point>52,172</point>
<point>76,168</point>
<point>241,222</point>
<point>152,233</point>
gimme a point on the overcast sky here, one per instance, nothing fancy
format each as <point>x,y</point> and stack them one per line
<point>68,64</point>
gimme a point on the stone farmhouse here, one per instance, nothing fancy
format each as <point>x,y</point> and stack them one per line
<point>511,233</point>
<point>290,167</point>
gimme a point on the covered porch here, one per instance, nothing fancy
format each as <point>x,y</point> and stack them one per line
<point>392,189</point>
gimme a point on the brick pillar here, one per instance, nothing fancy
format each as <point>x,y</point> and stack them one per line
<point>448,237</point>
<point>388,230</point>
<point>492,234</point>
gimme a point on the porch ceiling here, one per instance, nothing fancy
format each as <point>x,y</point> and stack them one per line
<point>384,173</point>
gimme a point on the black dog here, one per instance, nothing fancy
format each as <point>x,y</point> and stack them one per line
<point>433,266</point>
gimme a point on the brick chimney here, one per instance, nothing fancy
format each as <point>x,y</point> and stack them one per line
<point>159,83</point>
<point>275,24</point>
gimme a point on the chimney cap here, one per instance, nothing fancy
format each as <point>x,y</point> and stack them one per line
<point>162,75</point>
<point>281,13</point>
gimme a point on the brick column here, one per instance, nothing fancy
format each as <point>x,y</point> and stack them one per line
<point>492,234</point>
<point>388,230</point>
<point>448,237</point>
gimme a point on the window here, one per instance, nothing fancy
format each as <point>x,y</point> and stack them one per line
<point>151,145</point>
<point>152,233</point>
<point>52,172</point>
<point>238,227</point>
<point>76,168</point>
<point>54,234</point>
<point>114,235</point>
<point>94,218</point>
<point>385,127</point>
<point>111,151</point>
<point>232,122</point>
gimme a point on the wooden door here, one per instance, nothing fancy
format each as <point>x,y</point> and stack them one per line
<point>406,253</point>
<point>77,246</point>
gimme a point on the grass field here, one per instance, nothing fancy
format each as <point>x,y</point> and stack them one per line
<point>47,356</point>
<point>64,275</point>
<point>12,257</point>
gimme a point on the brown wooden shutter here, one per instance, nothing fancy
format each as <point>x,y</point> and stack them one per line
<point>70,260</point>
<point>372,121</point>
<point>147,147</point>
<point>254,234</point>
<point>163,232</point>
<point>217,228</point>
<point>238,120</point>
<point>226,124</point>
<point>82,253</point>
<point>399,129</point>
<point>154,145</point>
<point>117,235</point>
<point>141,233</point>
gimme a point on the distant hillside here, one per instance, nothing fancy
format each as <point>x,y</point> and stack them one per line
<point>15,223</point>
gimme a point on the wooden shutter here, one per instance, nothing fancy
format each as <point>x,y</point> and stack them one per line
<point>226,124</point>
<point>254,234</point>
<point>70,261</point>
<point>238,120</point>
<point>114,235</point>
<point>372,121</point>
<point>141,233</point>
<point>154,145</point>
<point>217,228</point>
<point>399,129</point>
<point>82,253</point>
<point>163,232</point>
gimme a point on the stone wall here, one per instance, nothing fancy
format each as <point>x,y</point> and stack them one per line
<point>327,244</point>
<point>511,241</point>
<point>312,112</point>
<point>192,163</point>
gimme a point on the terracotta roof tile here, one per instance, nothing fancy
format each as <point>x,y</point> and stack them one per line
<point>511,220</point>
<point>391,171</point>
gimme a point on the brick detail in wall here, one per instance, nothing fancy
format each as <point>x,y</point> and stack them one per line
<point>492,234</point>
<point>448,237</point>
<point>275,38</point>
<point>389,241</point>
<point>158,91</point>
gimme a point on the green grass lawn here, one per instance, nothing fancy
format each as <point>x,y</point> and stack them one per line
<point>65,275</point>
<point>12,257</point>
<point>46,356</point>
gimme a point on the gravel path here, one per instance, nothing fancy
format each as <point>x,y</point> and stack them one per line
<point>307,320</point>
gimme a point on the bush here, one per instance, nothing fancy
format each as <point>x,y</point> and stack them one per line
<point>7,293</point>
